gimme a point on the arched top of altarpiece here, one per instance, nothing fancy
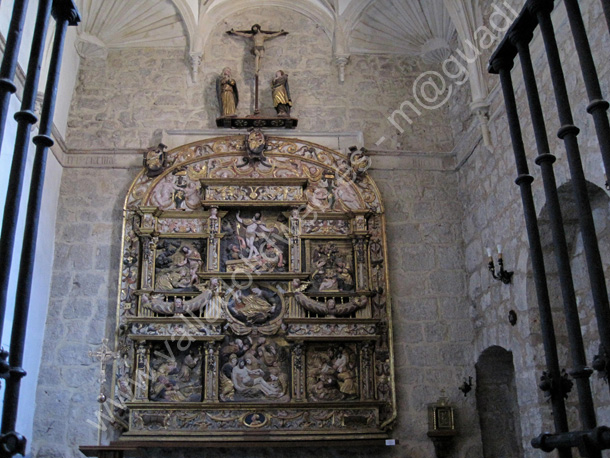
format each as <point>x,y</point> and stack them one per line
<point>336,182</point>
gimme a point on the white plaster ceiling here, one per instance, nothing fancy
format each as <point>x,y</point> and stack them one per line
<point>406,27</point>
<point>412,27</point>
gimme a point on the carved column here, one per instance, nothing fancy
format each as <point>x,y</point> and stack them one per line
<point>149,249</point>
<point>294,242</point>
<point>376,256</point>
<point>367,383</point>
<point>214,240</point>
<point>148,238</point>
<point>211,372</point>
<point>362,271</point>
<point>361,243</point>
<point>142,371</point>
<point>298,372</point>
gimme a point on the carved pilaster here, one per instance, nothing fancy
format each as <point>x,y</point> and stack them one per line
<point>211,372</point>
<point>142,371</point>
<point>298,372</point>
<point>362,269</point>
<point>367,383</point>
<point>361,243</point>
<point>214,240</point>
<point>295,241</point>
<point>149,247</point>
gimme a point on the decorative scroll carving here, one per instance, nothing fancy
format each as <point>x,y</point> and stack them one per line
<point>181,226</point>
<point>335,330</point>
<point>173,330</point>
<point>345,420</point>
<point>251,290</point>
<point>325,227</point>
<point>254,193</point>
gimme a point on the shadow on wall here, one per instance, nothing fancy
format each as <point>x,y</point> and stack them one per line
<point>497,404</point>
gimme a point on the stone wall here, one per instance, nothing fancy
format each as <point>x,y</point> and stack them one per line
<point>81,310</point>
<point>121,102</point>
<point>493,215</point>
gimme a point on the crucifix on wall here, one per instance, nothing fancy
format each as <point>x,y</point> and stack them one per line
<point>258,37</point>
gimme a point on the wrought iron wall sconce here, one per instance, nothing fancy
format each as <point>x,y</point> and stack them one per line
<point>466,387</point>
<point>504,276</point>
<point>441,426</point>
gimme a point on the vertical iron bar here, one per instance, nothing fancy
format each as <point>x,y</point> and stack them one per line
<point>545,160</point>
<point>524,180</point>
<point>598,107</point>
<point>9,61</point>
<point>568,133</point>
<point>42,141</point>
<point>25,118</point>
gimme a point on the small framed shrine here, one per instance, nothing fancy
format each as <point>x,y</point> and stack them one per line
<point>254,296</point>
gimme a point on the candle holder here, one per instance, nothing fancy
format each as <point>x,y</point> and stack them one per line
<point>502,275</point>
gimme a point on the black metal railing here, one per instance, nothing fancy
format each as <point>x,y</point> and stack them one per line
<point>65,13</point>
<point>534,17</point>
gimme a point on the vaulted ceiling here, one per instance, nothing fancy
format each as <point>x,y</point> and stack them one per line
<point>406,27</point>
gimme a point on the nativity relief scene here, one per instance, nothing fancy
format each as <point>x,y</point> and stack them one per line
<point>254,295</point>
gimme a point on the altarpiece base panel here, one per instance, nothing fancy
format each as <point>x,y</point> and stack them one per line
<point>253,297</point>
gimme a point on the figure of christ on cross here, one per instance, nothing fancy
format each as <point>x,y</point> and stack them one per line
<point>258,36</point>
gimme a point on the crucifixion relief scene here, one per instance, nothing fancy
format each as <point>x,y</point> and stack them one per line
<point>332,228</point>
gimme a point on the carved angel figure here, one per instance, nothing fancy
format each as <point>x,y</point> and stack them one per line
<point>330,307</point>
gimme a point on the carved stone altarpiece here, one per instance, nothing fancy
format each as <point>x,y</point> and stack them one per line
<point>253,298</point>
